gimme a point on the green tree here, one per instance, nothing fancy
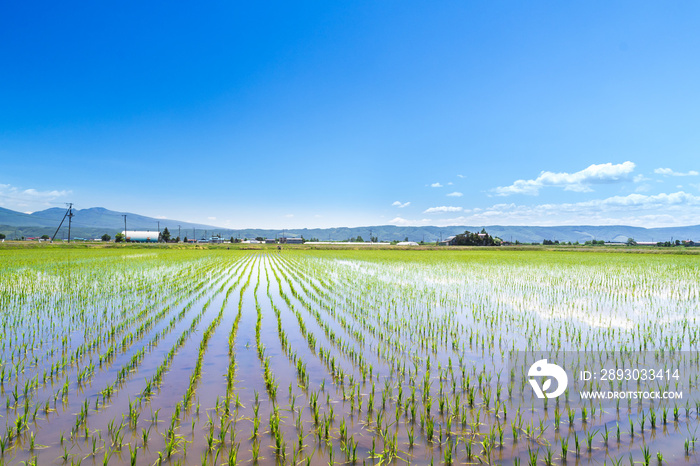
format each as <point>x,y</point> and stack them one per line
<point>259,238</point>
<point>45,237</point>
<point>631,242</point>
<point>359,239</point>
<point>106,237</point>
<point>165,235</point>
<point>185,240</point>
<point>119,238</point>
<point>2,236</point>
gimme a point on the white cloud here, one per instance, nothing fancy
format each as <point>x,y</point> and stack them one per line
<point>289,215</point>
<point>669,172</point>
<point>442,209</point>
<point>579,181</point>
<point>162,217</point>
<point>436,185</point>
<point>460,176</point>
<point>657,210</point>
<point>455,194</point>
<point>15,198</point>
<point>400,204</point>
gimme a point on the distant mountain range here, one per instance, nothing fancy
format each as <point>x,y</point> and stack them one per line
<point>96,221</point>
<point>88,223</point>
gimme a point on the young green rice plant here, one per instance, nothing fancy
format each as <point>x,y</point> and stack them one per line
<point>133,452</point>
<point>549,456</point>
<point>646,455</point>
<point>589,439</point>
<point>564,442</point>
<point>447,453</point>
<point>532,455</point>
<point>605,434</point>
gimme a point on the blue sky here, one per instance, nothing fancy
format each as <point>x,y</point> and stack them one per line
<point>320,114</point>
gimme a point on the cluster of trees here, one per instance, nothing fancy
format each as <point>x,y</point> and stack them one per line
<point>668,244</point>
<point>476,239</point>
<point>549,242</point>
<point>594,242</point>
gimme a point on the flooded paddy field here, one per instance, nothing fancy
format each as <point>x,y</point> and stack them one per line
<point>120,356</point>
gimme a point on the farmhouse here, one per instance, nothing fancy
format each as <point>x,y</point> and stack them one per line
<point>449,241</point>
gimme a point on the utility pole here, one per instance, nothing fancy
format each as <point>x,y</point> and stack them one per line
<point>124,215</point>
<point>70,218</point>
<point>178,232</point>
<point>69,214</point>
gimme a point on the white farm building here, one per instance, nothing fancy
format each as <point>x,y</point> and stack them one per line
<point>141,236</point>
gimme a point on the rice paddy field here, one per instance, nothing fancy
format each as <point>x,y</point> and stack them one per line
<point>156,356</point>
